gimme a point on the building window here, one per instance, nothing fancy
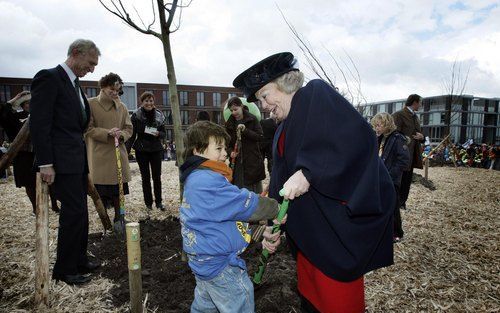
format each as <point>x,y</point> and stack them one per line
<point>382,108</point>
<point>216,99</point>
<point>164,95</point>
<point>26,87</point>
<point>169,135</point>
<point>374,110</point>
<point>91,92</point>
<point>230,95</point>
<point>129,97</point>
<point>218,117</point>
<point>4,93</point>
<point>183,98</point>
<point>168,115</point>
<point>200,99</point>
<point>184,117</point>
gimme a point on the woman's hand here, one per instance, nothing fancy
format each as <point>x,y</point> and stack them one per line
<point>296,186</point>
<point>114,132</point>
<point>241,127</point>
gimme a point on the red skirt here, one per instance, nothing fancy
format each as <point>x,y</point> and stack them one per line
<point>327,294</point>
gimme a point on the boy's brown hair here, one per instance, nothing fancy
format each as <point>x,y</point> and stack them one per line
<point>198,135</point>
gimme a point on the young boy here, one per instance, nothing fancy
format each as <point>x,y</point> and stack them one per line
<point>213,215</point>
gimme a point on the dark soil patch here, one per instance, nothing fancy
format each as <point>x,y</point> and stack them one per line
<point>169,281</point>
<point>427,183</point>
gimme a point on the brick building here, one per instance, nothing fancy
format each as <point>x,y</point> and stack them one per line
<point>464,117</point>
<point>191,98</point>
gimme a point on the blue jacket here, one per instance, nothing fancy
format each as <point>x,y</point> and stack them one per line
<point>395,155</point>
<point>211,213</point>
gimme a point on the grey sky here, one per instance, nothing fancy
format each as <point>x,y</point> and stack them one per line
<point>399,47</point>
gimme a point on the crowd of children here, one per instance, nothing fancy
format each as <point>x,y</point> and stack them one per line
<point>468,154</point>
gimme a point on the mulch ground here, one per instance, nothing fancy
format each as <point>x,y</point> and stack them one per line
<point>447,261</point>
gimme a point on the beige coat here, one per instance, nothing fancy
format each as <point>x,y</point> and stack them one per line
<point>105,115</point>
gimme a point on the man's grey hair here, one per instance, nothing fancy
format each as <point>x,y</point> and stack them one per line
<point>83,46</point>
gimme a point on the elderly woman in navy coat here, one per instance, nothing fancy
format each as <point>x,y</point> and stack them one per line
<point>393,150</point>
<point>325,157</point>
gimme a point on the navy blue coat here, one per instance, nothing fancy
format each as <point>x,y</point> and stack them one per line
<point>395,155</point>
<point>343,224</point>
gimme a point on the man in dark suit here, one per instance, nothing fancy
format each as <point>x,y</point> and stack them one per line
<point>407,122</point>
<point>59,116</point>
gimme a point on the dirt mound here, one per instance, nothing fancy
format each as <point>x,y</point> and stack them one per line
<point>168,281</point>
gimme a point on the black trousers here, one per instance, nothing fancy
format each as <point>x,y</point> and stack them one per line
<point>145,161</point>
<point>71,190</point>
<point>404,190</point>
<point>398,224</point>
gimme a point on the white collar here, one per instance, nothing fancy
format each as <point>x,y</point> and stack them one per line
<point>70,73</point>
<point>412,112</point>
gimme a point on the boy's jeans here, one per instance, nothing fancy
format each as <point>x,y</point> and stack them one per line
<point>229,292</point>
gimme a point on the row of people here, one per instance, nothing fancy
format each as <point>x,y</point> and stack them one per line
<point>340,222</point>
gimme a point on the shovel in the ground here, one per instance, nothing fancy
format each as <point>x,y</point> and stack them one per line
<point>119,224</point>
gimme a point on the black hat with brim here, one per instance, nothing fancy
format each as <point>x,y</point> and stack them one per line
<point>263,72</point>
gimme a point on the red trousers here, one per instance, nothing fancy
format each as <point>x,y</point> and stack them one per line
<point>327,294</point>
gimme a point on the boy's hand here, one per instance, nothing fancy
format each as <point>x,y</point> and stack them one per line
<point>271,241</point>
<point>241,127</point>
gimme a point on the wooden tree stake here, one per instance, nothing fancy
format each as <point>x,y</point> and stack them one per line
<point>42,244</point>
<point>134,266</point>
<point>99,206</point>
<point>426,169</point>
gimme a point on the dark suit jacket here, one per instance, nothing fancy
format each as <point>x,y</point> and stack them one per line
<point>56,122</point>
<point>409,125</point>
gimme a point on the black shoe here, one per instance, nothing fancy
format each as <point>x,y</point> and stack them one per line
<point>403,207</point>
<point>149,207</point>
<point>77,279</point>
<point>89,267</point>
<point>160,207</point>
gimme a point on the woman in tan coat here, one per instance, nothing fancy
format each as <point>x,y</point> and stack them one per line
<point>109,119</point>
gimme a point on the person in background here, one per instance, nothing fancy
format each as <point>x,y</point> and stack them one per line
<point>109,120</point>
<point>24,176</point>
<point>149,131</point>
<point>269,127</point>
<point>408,124</point>
<point>342,198</point>
<point>59,115</point>
<point>248,164</point>
<point>202,116</point>
<point>393,150</point>
<point>213,217</point>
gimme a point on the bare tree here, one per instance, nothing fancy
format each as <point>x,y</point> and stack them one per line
<point>166,18</point>
<point>351,86</point>
<point>454,88</point>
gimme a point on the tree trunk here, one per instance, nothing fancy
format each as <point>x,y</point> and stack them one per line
<point>16,145</point>
<point>172,85</point>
